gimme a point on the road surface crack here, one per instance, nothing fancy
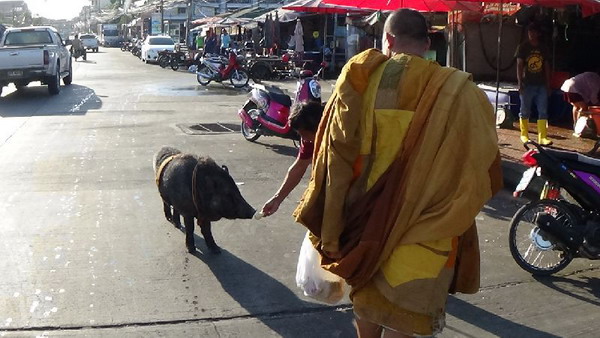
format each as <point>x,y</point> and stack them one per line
<point>260,316</point>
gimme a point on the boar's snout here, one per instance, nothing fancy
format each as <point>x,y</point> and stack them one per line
<point>246,211</point>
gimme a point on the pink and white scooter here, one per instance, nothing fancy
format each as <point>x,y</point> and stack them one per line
<point>267,110</point>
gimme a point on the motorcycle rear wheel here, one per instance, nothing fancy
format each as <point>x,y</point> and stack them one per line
<point>534,250</point>
<point>163,61</point>
<point>206,77</point>
<point>249,133</point>
<point>239,78</point>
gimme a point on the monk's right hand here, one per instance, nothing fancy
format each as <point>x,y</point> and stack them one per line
<point>271,206</point>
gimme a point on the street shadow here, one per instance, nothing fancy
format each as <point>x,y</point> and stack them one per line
<point>87,61</point>
<point>591,285</point>
<point>502,207</point>
<point>490,322</point>
<point>34,100</point>
<point>281,149</point>
<point>270,301</point>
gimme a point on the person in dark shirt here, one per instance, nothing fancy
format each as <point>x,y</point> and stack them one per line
<point>533,74</point>
<point>304,119</point>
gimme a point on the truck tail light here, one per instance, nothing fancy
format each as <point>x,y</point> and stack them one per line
<point>46,58</point>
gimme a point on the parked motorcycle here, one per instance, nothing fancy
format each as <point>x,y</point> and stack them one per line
<point>268,109</point>
<point>545,235</point>
<point>136,49</point>
<point>181,59</point>
<point>218,68</point>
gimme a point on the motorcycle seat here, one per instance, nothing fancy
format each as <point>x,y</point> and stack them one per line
<point>281,98</point>
<point>578,161</point>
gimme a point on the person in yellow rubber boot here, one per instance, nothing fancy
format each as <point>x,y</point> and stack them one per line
<point>533,74</point>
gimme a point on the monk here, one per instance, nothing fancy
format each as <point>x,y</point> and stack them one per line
<point>405,157</point>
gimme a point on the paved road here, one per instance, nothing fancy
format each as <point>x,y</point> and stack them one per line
<point>86,250</point>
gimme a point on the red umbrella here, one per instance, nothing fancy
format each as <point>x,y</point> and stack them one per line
<point>319,6</point>
<point>419,5</point>
<point>588,7</point>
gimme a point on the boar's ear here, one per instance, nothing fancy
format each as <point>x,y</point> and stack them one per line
<point>225,168</point>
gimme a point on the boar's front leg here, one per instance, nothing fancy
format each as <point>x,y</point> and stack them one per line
<point>189,233</point>
<point>208,237</point>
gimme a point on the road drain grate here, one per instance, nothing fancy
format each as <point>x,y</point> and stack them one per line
<point>209,128</point>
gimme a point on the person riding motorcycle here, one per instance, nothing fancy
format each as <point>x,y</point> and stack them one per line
<point>77,48</point>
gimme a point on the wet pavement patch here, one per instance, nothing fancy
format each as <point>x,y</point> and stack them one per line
<point>209,128</point>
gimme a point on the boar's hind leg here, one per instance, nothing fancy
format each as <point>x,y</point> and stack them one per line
<point>176,219</point>
<point>167,209</point>
<point>189,233</point>
<point>208,237</point>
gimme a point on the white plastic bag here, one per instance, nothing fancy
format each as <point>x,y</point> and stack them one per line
<point>316,282</point>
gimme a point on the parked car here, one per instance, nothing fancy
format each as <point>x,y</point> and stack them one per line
<point>90,42</point>
<point>34,54</point>
<point>154,44</point>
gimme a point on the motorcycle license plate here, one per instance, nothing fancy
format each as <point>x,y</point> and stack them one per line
<point>15,73</point>
<point>525,180</point>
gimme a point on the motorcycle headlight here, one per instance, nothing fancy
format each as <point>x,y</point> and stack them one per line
<point>315,89</point>
<point>262,101</point>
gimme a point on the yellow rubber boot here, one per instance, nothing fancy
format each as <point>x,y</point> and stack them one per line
<point>524,125</point>
<point>543,133</point>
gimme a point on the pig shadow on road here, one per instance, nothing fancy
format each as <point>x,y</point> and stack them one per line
<point>281,149</point>
<point>271,302</point>
<point>489,322</point>
<point>34,100</point>
<point>586,290</point>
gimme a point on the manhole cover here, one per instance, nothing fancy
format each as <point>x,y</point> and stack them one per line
<point>209,128</point>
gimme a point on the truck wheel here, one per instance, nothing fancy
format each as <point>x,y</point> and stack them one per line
<point>54,82</point>
<point>67,80</point>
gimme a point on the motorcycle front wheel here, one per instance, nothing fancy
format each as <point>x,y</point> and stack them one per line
<point>174,64</point>
<point>203,75</point>
<point>534,250</point>
<point>239,78</point>
<point>249,133</point>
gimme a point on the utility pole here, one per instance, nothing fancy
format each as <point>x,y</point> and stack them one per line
<point>189,21</point>
<point>162,17</point>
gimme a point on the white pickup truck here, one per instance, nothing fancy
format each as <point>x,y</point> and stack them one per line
<point>34,54</point>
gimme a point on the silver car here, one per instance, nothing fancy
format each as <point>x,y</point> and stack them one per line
<point>90,42</point>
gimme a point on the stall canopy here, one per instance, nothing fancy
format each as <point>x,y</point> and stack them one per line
<point>319,6</point>
<point>285,15</point>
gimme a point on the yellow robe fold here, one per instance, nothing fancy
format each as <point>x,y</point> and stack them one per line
<point>405,157</point>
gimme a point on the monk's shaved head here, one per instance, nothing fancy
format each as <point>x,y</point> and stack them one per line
<point>405,31</point>
<point>407,24</point>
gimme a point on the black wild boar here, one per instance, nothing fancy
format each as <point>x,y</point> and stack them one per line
<point>196,187</point>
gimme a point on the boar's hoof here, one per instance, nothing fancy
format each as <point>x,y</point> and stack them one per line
<point>214,249</point>
<point>191,249</point>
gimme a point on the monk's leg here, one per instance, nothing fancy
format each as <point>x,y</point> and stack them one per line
<point>365,329</point>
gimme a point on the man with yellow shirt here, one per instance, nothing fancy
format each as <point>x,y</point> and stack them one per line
<point>405,157</point>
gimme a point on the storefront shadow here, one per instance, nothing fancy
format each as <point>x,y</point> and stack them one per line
<point>490,322</point>
<point>271,302</point>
